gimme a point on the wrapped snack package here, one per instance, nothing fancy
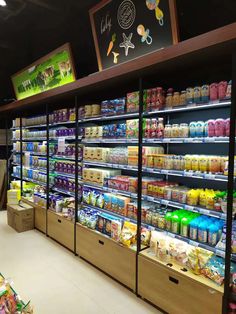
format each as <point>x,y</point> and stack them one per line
<point>193,261</point>
<point>128,234</point>
<point>153,241</point>
<point>178,251</point>
<point>163,247</point>
<point>145,236</point>
<point>214,269</point>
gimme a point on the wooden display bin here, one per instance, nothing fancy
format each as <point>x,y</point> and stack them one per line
<point>40,218</point>
<point>174,292</point>
<point>61,229</point>
<point>106,254</point>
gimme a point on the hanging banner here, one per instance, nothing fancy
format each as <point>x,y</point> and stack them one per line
<point>127,29</point>
<point>53,70</point>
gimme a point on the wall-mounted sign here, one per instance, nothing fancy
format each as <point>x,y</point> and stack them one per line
<point>126,29</point>
<point>53,70</point>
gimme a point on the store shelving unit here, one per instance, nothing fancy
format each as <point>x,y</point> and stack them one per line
<point>150,278</point>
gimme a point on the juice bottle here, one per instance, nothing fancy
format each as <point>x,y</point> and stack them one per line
<point>193,229</point>
<point>184,228</point>
<point>175,223</point>
<point>168,218</point>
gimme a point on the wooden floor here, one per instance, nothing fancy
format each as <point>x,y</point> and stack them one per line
<point>56,281</point>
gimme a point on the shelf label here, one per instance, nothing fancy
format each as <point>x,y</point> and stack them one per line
<point>220,253</point>
<point>188,207</point>
<point>188,173</point>
<point>210,176</point>
<point>193,243</point>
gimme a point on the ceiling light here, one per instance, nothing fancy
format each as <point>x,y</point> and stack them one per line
<point>3,3</point>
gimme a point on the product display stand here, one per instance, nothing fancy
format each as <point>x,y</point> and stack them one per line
<point>136,267</point>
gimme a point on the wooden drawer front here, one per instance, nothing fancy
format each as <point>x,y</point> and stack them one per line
<point>61,229</point>
<point>174,293</point>
<point>40,219</point>
<point>115,260</point>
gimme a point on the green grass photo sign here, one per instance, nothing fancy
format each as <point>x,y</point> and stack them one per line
<point>53,70</point>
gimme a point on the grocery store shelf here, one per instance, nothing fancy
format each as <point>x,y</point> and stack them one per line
<point>68,193</point>
<point>187,240</point>
<point>195,140</point>
<point>107,189</point>
<point>34,139</point>
<point>108,165</point>
<point>67,138</point>
<point>109,212</point>
<point>182,271</point>
<point>110,141</point>
<point>34,126</point>
<point>43,170</point>
<point>108,118</point>
<point>194,209</point>
<point>71,158</point>
<point>192,107</point>
<point>189,174</point>
<point>33,153</point>
<point>29,180</point>
<point>63,174</point>
<point>61,123</point>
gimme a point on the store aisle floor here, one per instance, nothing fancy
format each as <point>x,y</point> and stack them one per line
<point>56,281</point>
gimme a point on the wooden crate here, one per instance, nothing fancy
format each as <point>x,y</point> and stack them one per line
<point>176,293</point>
<point>61,229</point>
<point>106,254</point>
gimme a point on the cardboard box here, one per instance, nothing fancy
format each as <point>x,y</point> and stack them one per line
<point>20,217</point>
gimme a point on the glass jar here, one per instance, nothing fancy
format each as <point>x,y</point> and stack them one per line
<point>176,99</point>
<point>175,131</point>
<point>169,100</point>
<point>183,98</point>
<point>167,131</point>
<point>184,130</point>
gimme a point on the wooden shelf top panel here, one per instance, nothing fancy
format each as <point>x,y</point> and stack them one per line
<point>217,43</point>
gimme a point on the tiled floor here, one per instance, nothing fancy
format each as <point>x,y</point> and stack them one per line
<point>56,281</point>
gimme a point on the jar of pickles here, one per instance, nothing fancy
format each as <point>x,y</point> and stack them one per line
<point>175,132</point>
<point>184,130</point>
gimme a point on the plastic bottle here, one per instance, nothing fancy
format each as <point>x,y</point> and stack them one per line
<point>213,234</point>
<point>203,231</point>
<point>184,228</point>
<point>175,223</point>
<point>193,229</point>
<point>168,218</point>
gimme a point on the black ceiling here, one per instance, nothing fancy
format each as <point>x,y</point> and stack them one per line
<point>30,29</point>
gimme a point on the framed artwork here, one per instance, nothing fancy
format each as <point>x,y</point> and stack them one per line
<point>51,71</point>
<point>126,29</point>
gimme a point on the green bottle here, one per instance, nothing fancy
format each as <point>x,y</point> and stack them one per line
<point>168,219</point>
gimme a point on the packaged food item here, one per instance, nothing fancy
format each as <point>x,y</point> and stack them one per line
<point>183,98</point>
<point>160,98</point>
<point>192,129</point>
<point>132,128</point>
<point>222,89</point>
<point>189,95</point>
<point>133,102</point>
<point>176,99</point>
<point>169,100</point>
<point>197,94</point>
<point>178,251</point>
<point>184,130</point>
<point>205,93</point>
<point>220,127</point>
<point>145,236</point>
<point>213,91</point>
<point>162,248</point>
<point>214,269</point>
<point>116,226</point>
<point>214,164</point>
<point>128,234</point>
<point>200,125</point>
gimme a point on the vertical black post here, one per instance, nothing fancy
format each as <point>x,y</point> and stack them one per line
<point>48,168</point>
<point>230,188</point>
<point>7,153</point>
<point>76,168</point>
<point>21,158</point>
<point>140,145</point>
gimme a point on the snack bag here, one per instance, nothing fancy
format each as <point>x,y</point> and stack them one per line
<point>133,102</point>
<point>153,241</point>
<point>128,234</point>
<point>163,248</point>
<point>178,251</point>
<point>132,128</point>
<point>214,269</point>
<point>193,261</point>
<point>145,236</point>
